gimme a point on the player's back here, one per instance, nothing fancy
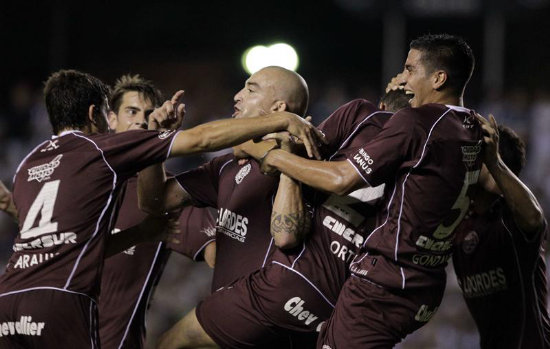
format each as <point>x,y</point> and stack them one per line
<point>65,191</point>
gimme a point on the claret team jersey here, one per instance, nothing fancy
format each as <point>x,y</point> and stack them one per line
<point>129,277</point>
<point>244,198</point>
<point>502,274</point>
<point>340,223</point>
<point>432,154</point>
<point>65,192</point>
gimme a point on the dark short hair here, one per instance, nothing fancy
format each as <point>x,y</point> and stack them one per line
<point>449,53</point>
<point>68,95</point>
<point>511,149</point>
<point>395,100</point>
<point>130,83</point>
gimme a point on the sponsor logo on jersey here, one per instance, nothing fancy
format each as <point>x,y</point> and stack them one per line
<point>469,121</point>
<point>470,242</point>
<point>43,172</point>
<point>358,271</point>
<point>469,154</point>
<point>344,231</point>
<point>429,260</point>
<point>483,284</point>
<point>424,313</point>
<point>242,173</point>
<point>232,224</point>
<point>26,260</point>
<point>47,240</point>
<point>24,327</point>
<point>51,146</point>
<point>166,134</point>
<point>342,251</point>
<point>295,307</point>
<point>434,245</point>
<point>364,161</point>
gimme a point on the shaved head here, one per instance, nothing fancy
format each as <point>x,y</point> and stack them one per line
<point>288,86</point>
<point>269,90</point>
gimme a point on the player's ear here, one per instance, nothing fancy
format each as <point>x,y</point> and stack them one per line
<point>113,120</point>
<point>279,106</point>
<point>382,106</point>
<point>439,78</point>
<point>91,111</point>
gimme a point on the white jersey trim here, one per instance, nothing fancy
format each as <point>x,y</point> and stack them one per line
<point>196,255</point>
<point>46,288</point>
<point>69,279</point>
<point>307,280</point>
<point>138,300</point>
<point>25,159</point>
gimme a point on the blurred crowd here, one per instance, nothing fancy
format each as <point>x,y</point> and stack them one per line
<point>24,124</point>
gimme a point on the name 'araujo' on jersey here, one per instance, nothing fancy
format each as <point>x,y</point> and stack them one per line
<point>432,155</point>
<point>339,222</point>
<point>66,192</point>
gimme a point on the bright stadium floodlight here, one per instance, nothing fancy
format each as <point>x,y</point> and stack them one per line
<point>280,54</point>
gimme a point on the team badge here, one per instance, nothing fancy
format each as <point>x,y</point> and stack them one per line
<point>469,154</point>
<point>470,242</point>
<point>43,172</point>
<point>242,173</point>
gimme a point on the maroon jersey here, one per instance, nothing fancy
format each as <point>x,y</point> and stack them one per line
<point>339,222</point>
<point>244,198</point>
<point>65,192</point>
<point>129,277</point>
<point>501,273</point>
<point>431,156</point>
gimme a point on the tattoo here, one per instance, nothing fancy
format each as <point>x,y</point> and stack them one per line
<point>294,224</point>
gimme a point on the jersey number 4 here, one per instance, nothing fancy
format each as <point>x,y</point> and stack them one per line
<point>43,204</point>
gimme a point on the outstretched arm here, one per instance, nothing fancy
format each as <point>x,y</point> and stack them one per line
<point>520,200</point>
<point>152,228</point>
<point>6,202</point>
<point>338,177</point>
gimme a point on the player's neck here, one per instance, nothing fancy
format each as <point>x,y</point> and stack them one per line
<point>86,129</point>
<point>447,99</point>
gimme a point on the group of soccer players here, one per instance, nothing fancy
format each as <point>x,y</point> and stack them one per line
<point>346,251</point>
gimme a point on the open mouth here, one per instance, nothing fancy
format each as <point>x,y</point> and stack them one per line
<point>236,111</point>
<point>410,94</point>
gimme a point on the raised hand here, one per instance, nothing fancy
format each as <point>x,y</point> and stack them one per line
<point>169,116</point>
<point>490,138</point>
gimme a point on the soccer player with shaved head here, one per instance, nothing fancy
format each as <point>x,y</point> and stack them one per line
<point>65,194</point>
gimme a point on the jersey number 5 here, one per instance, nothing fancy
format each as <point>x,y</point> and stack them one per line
<point>44,203</point>
<point>462,204</point>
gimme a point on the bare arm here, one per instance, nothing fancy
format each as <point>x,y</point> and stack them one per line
<point>338,177</point>
<point>6,202</point>
<point>520,200</point>
<point>152,228</point>
<point>290,221</point>
<point>224,133</point>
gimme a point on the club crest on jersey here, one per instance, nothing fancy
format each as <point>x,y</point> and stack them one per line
<point>469,153</point>
<point>43,172</point>
<point>470,242</point>
<point>51,146</point>
<point>242,173</point>
<point>166,134</point>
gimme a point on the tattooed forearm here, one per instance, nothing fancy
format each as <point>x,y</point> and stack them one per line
<point>296,224</point>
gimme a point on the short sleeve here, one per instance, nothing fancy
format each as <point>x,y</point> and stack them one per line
<point>131,151</point>
<point>342,122</point>
<point>202,183</point>
<point>378,161</point>
<point>197,229</point>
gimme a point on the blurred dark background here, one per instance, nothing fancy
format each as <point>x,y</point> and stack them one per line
<point>347,49</point>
